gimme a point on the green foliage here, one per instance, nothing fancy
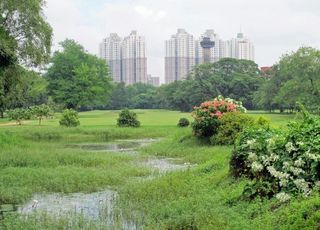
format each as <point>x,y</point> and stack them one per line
<point>69,118</point>
<point>295,78</point>
<point>20,26</point>
<point>78,79</point>
<point>19,115</point>
<point>231,124</point>
<point>207,115</point>
<point>280,163</point>
<point>128,118</point>
<point>41,111</point>
<point>21,88</point>
<point>183,122</point>
<point>263,122</point>
<point>135,96</point>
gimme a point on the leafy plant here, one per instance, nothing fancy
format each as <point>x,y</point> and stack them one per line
<point>19,115</point>
<point>231,124</point>
<point>128,118</point>
<point>183,122</point>
<point>69,118</point>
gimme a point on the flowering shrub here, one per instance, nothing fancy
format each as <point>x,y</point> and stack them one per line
<point>287,162</point>
<point>206,116</point>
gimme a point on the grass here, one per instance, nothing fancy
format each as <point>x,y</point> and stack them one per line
<point>36,159</point>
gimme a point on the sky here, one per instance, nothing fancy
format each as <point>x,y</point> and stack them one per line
<point>275,27</point>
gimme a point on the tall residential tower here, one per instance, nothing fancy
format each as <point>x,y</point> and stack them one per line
<point>110,50</point>
<point>125,57</point>
<point>180,56</point>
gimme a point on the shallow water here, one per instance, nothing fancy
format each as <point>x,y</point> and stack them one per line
<point>165,165</point>
<point>91,205</point>
<point>116,146</point>
<point>99,205</point>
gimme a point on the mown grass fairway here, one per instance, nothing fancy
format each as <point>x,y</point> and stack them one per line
<point>36,159</point>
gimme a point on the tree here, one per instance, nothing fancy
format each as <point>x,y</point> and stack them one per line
<point>19,114</point>
<point>77,78</point>
<point>40,112</point>
<point>119,97</point>
<point>21,88</point>
<point>294,78</point>
<point>25,38</point>
<point>24,34</point>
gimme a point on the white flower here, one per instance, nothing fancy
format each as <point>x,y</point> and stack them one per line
<point>256,167</point>
<point>290,148</point>
<point>296,171</point>
<point>283,197</point>
<point>277,174</point>
<point>284,182</point>
<point>286,165</point>
<point>312,156</point>
<point>299,163</point>
<point>317,184</point>
<point>252,156</point>
<point>250,143</point>
<point>303,186</point>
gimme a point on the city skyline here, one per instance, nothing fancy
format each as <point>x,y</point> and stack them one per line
<point>127,58</point>
<point>275,27</point>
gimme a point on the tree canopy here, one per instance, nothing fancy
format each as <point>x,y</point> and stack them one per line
<point>25,36</point>
<point>296,78</point>
<point>77,78</point>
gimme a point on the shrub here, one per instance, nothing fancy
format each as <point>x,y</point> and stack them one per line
<point>19,115</point>
<point>183,122</point>
<point>207,115</point>
<point>69,118</point>
<point>231,124</point>
<point>128,119</point>
<point>41,111</point>
<point>263,121</point>
<point>285,163</point>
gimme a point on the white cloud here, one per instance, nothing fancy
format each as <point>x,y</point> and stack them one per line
<point>274,26</point>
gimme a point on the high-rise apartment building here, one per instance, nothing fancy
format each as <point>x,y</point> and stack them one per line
<point>125,57</point>
<point>110,50</point>
<point>180,56</point>
<point>134,61</point>
<point>239,47</point>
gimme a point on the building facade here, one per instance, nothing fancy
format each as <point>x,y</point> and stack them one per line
<point>126,57</point>
<point>155,81</point>
<point>180,56</point>
<point>110,50</point>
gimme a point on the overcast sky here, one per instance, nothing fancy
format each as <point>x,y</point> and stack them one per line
<point>274,26</point>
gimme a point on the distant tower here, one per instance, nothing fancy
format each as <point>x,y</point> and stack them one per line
<point>206,45</point>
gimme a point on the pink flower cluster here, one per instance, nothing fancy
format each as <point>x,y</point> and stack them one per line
<point>214,108</point>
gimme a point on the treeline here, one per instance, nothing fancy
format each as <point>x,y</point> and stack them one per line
<point>238,79</point>
<point>296,78</point>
